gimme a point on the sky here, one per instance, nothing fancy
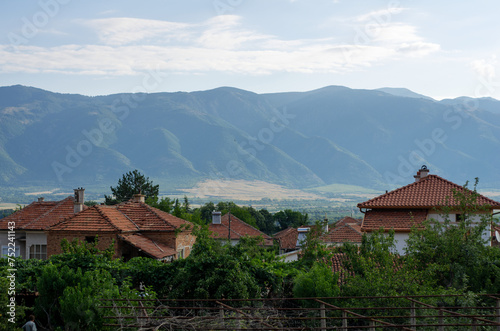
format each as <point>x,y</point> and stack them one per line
<point>442,49</point>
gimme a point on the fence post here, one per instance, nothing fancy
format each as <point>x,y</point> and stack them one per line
<point>498,314</point>
<point>413,316</point>
<point>372,326</point>
<point>344,320</point>
<point>221,315</point>
<point>323,317</point>
<point>441,321</point>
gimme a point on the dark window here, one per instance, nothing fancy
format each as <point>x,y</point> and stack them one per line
<point>90,239</point>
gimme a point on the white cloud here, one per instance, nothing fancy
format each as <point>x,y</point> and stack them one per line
<point>130,46</point>
<point>126,30</point>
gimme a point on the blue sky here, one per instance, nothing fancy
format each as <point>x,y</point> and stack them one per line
<point>440,49</point>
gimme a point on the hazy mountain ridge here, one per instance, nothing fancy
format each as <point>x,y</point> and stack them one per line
<point>369,138</point>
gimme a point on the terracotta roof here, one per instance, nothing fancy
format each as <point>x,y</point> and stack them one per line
<point>148,245</point>
<point>149,218</point>
<point>397,219</point>
<point>97,219</point>
<point>238,229</point>
<point>430,191</point>
<point>39,215</point>
<point>344,232</point>
<point>287,238</point>
<point>125,217</point>
<point>348,220</point>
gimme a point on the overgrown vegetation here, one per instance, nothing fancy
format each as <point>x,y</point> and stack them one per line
<point>441,258</point>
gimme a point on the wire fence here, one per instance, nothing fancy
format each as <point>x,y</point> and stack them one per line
<point>450,312</point>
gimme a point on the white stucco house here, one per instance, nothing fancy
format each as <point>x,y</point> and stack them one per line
<point>412,204</point>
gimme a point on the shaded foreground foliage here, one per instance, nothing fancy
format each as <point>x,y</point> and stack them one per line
<point>442,258</point>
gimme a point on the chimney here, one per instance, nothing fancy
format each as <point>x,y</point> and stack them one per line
<point>325,225</point>
<point>40,199</point>
<point>79,199</point>
<point>216,217</point>
<point>139,198</point>
<point>422,173</point>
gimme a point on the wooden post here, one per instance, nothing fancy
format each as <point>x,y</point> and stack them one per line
<point>221,315</point>
<point>323,317</point>
<point>413,316</point>
<point>372,325</point>
<point>498,314</point>
<point>441,320</point>
<point>344,320</point>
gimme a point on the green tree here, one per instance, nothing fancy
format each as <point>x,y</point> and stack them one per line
<point>289,218</point>
<point>319,281</point>
<point>165,204</point>
<point>133,182</point>
<point>457,252</point>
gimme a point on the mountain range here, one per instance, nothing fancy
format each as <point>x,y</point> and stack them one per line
<point>334,135</point>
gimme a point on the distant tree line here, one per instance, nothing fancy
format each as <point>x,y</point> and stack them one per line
<point>134,182</point>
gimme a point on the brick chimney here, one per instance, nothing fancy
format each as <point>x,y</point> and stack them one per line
<point>40,199</point>
<point>422,173</point>
<point>79,199</point>
<point>216,217</point>
<point>139,198</point>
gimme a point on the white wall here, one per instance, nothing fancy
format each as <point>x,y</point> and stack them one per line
<point>34,238</point>
<point>4,241</point>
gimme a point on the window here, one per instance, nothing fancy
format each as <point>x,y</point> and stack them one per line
<point>459,218</point>
<point>180,254</point>
<point>38,252</point>
<point>90,239</point>
<point>5,251</point>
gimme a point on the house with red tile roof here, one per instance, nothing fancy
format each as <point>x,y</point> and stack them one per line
<point>135,228</point>
<point>287,240</point>
<point>410,205</point>
<point>230,227</point>
<point>347,229</point>
<point>22,233</point>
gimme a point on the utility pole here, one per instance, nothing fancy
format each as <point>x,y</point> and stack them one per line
<point>229,233</point>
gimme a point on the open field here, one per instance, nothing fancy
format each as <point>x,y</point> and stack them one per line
<point>247,190</point>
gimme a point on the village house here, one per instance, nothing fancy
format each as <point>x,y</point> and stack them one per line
<point>290,240</point>
<point>412,204</point>
<point>347,229</point>
<point>230,228</point>
<point>29,223</point>
<point>135,228</point>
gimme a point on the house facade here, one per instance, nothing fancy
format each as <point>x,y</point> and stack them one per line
<point>135,228</point>
<point>24,231</point>
<point>428,197</point>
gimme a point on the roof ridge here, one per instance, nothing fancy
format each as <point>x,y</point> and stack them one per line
<point>159,216</point>
<point>126,216</point>
<point>48,211</point>
<point>249,225</point>
<point>231,230</point>
<point>106,217</point>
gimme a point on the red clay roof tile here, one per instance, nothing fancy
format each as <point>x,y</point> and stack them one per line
<point>238,229</point>
<point>40,214</point>
<point>342,233</point>
<point>148,245</point>
<point>287,238</point>
<point>397,219</point>
<point>430,191</point>
<point>126,217</point>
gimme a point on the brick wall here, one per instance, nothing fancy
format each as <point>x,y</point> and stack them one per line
<point>184,240</point>
<point>54,239</point>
